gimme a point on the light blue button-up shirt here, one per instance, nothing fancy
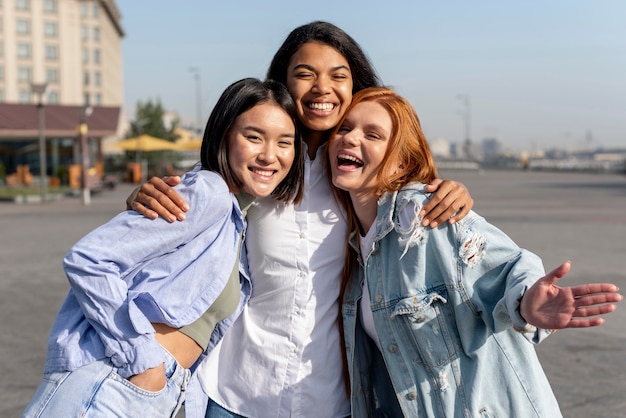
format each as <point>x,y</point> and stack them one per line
<point>445,306</point>
<point>133,271</point>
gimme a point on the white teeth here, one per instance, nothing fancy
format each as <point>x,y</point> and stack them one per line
<point>350,158</point>
<point>263,173</point>
<point>321,106</point>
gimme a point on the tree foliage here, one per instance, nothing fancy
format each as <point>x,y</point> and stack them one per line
<point>150,120</point>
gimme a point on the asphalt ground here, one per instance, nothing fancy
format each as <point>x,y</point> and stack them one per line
<point>559,216</point>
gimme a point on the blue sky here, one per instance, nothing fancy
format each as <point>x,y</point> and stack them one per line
<point>539,74</point>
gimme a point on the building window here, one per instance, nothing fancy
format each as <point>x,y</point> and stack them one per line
<point>96,78</point>
<point>1,73</point>
<point>96,34</point>
<point>23,74</point>
<point>50,29</point>
<point>22,26</point>
<point>1,95</point>
<point>96,10</point>
<point>83,9</point>
<point>86,99</point>
<point>85,55</point>
<point>84,32</point>
<point>86,78</point>
<point>22,4</point>
<point>24,96</point>
<point>52,52</point>
<point>53,97</point>
<point>23,50</point>
<point>96,56</point>
<point>1,49</point>
<point>52,75</point>
<point>98,99</point>
<point>50,6</point>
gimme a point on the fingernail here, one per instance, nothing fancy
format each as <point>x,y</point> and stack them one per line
<point>185,207</point>
<point>425,222</point>
<point>434,225</point>
<point>181,216</point>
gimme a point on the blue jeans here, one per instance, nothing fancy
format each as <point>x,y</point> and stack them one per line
<point>216,411</point>
<point>96,390</point>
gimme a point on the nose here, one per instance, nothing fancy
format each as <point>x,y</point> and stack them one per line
<point>351,138</point>
<point>267,154</point>
<point>322,85</point>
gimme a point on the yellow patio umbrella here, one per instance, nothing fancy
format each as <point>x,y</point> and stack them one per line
<point>189,145</point>
<point>145,143</point>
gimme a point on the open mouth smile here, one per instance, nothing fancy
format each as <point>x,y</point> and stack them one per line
<point>349,160</point>
<point>324,107</point>
<point>263,173</point>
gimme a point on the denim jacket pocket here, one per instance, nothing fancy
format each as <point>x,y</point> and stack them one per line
<point>422,324</point>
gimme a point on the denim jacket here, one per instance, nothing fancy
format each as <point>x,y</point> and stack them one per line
<point>132,271</point>
<point>445,305</point>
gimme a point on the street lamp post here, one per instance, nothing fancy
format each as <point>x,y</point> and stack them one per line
<point>196,76</point>
<point>84,148</point>
<point>40,89</point>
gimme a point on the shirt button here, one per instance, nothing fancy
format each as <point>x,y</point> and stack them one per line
<point>411,396</point>
<point>302,235</point>
<point>393,348</point>
<point>420,319</point>
<point>379,298</point>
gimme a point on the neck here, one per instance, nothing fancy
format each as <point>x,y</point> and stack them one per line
<point>314,140</point>
<point>366,208</point>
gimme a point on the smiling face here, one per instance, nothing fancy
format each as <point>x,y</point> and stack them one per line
<point>320,82</point>
<point>261,148</point>
<point>357,151</point>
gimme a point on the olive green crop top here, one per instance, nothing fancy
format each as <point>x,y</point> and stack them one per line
<point>200,331</point>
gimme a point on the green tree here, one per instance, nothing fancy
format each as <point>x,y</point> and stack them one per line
<point>150,120</point>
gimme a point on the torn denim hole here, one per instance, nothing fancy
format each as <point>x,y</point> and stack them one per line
<point>473,250</point>
<point>443,381</point>
<point>413,233</point>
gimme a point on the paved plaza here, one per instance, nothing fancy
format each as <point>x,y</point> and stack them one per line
<point>559,216</point>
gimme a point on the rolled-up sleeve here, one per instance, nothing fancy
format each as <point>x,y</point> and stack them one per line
<point>105,266</point>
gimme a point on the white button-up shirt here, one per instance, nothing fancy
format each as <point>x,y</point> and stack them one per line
<point>282,357</point>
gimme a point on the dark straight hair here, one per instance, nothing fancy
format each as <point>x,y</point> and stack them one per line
<point>238,98</point>
<point>363,73</point>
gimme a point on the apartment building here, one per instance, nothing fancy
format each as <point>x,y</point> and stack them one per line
<point>72,51</point>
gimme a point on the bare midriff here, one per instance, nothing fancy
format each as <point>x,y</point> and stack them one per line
<point>184,349</point>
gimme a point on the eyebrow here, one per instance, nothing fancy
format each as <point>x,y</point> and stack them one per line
<point>263,132</point>
<point>311,68</point>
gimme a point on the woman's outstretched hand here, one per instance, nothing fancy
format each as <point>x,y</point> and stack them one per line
<point>548,306</point>
<point>157,198</point>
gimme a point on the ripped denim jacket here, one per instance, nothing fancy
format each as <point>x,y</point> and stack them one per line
<point>445,305</point>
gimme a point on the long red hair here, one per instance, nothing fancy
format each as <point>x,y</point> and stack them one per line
<point>407,149</point>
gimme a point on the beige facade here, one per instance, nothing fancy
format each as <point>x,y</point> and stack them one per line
<point>75,46</point>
